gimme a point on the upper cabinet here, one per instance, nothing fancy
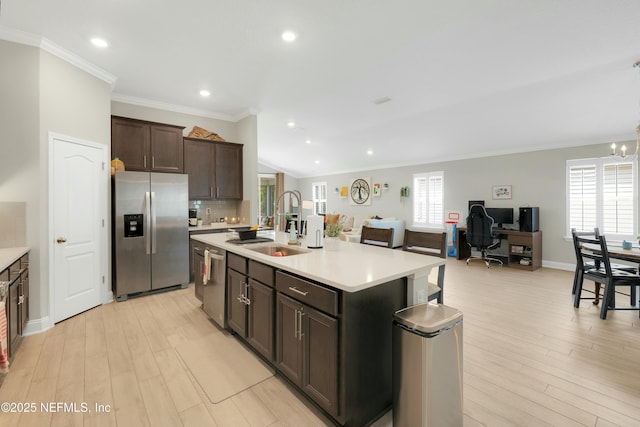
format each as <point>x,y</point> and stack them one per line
<point>214,168</point>
<point>147,146</point>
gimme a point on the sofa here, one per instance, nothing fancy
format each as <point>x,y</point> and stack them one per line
<point>352,226</point>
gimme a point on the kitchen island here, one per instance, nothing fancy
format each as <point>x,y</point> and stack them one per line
<point>323,318</point>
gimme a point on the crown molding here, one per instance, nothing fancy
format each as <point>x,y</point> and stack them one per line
<point>22,37</point>
<point>118,97</point>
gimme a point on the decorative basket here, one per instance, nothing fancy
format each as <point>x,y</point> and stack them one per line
<point>200,133</point>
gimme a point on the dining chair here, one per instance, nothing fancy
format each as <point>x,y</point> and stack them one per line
<point>580,268</point>
<point>594,249</point>
<point>377,236</point>
<point>434,244</point>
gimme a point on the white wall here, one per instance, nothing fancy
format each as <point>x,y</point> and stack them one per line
<point>40,93</point>
<point>537,179</point>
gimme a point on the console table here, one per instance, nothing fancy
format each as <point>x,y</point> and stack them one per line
<point>520,245</point>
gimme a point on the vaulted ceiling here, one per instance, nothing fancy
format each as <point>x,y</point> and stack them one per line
<point>461,78</point>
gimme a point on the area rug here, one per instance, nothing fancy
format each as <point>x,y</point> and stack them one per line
<point>222,366</point>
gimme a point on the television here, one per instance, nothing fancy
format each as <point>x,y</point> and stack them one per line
<point>501,216</point>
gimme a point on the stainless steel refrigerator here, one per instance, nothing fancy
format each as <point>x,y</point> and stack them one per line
<point>150,232</point>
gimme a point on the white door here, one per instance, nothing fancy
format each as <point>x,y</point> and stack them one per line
<point>79,207</point>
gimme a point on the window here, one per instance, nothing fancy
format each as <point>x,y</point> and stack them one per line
<point>428,199</point>
<point>319,198</point>
<point>266,197</point>
<point>602,193</point>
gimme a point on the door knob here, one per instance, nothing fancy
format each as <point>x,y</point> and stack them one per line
<point>61,240</point>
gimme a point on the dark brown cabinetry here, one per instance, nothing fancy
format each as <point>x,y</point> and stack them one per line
<point>250,303</point>
<point>147,146</point>
<point>214,168</point>
<point>307,339</point>
<point>17,301</point>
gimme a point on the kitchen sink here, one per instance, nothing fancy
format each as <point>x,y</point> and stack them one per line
<point>278,250</point>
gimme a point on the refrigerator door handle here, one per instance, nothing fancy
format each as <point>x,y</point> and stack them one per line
<point>147,213</point>
<point>154,226</point>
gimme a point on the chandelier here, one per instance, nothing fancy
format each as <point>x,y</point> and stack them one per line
<point>623,149</point>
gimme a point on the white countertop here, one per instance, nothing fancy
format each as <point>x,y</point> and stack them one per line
<point>352,267</point>
<point>216,226</point>
<point>10,255</point>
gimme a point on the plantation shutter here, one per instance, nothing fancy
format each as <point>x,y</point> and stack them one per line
<point>582,198</point>
<point>617,198</point>
<point>428,199</point>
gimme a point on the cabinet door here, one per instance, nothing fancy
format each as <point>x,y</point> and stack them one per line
<point>198,262</point>
<point>23,300</point>
<point>198,163</point>
<point>228,173</point>
<point>13,316</point>
<point>288,342</point>
<point>236,307</point>
<point>320,362</point>
<point>166,149</point>
<point>260,330</point>
<point>130,143</point>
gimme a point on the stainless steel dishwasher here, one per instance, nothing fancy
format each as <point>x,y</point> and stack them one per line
<point>214,294</point>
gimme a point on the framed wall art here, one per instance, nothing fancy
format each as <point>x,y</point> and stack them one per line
<point>501,192</point>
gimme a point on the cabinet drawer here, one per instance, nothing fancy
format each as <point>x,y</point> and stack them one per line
<point>262,273</point>
<point>24,261</point>
<point>520,239</point>
<point>4,275</point>
<point>307,292</point>
<point>14,270</point>
<point>237,262</point>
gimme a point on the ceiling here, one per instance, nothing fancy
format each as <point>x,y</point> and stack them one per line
<point>465,78</point>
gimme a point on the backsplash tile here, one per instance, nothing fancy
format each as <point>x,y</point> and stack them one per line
<point>13,224</point>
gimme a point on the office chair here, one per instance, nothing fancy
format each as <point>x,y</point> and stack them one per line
<point>479,234</point>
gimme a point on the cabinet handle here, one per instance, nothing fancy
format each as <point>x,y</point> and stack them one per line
<point>300,334</point>
<point>211,192</point>
<point>20,299</point>
<point>153,162</point>
<point>217,192</point>
<point>247,300</point>
<point>144,161</point>
<point>295,325</point>
<point>294,289</point>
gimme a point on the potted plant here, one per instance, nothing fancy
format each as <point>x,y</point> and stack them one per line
<point>332,233</point>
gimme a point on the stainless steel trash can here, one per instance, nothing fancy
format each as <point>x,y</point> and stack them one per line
<point>427,366</point>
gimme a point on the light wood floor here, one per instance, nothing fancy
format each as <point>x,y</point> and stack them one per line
<point>530,359</point>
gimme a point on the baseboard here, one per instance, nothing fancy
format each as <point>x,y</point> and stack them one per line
<point>37,326</point>
<point>559,265</point>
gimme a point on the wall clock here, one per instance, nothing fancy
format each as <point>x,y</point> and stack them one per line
<point>360,192</point>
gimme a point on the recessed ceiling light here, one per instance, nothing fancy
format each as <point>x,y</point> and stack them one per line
<point>205,93</point>
<point>308,141</point>
<point>369,152</point>
<point>289,36</point>
<point>317,162</point>
<point>291,124</point>
<point>99,42</point>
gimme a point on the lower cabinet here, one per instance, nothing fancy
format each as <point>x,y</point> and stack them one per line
<point>17,301</point>
<point>307,350</point>
<point>250,306</point>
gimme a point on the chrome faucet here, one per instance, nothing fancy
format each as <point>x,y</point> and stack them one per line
<point>298,197</point>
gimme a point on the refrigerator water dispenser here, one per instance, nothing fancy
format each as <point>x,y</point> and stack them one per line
<point>133,225</point>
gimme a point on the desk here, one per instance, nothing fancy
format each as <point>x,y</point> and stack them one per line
<point>520,245</point>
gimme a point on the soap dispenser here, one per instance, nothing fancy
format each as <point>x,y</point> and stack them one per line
<point>293,234</point>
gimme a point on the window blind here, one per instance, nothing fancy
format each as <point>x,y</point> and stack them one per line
<point>428,199</point>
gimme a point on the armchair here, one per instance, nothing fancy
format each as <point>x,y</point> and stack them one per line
<point>480,235</point>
